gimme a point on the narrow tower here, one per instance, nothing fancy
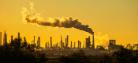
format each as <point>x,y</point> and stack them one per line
<point>0,38</point>
<point>38,42</point>
<point>93,44</point>
<point>51,42</point>
<point>5,39</point>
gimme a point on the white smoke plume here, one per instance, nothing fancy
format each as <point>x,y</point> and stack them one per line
<point>32,17</point>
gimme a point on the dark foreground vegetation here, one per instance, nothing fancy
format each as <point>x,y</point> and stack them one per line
<point>21,55</point>
<point>11,55</point>
<point>18,51</point>
<point>120,56</point>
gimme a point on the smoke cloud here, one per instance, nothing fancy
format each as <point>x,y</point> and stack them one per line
<point>68,23</point>
<point>32,17</point>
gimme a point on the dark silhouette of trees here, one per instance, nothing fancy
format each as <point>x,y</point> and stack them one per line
<point>18,51</point>
<point>121,56</point>
<point>125,56</point>
<point>80,57</point>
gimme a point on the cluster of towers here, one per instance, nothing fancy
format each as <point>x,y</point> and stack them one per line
<point>17,42</point>
<point>36,44</point>
<point>71,44</point>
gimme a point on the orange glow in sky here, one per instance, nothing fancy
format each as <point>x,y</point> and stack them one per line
<point>110,19</point>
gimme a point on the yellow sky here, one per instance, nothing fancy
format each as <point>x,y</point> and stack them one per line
<point>110,19</point>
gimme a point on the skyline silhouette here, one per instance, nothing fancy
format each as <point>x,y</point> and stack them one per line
<point>18,50</point>
<point>88,43</point>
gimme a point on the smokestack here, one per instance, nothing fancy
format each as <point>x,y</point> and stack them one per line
<point>19,39</point>
<point>74,44</point>
<point>71,44</point>
<point>38,42</point>
<point>79,44</point>
<point>93,44</point>
<point>61,42</point>
<point>51,42</point>
<point>5,39</point>
<point>67,40</point>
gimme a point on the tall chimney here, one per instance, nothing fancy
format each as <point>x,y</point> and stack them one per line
<point>78,44</point>
<point>51,42</point>
<point>18,35</point>
<point>5,39</point>
<point>38,42</point>
<point>67,41</point>
<point>71,44</point>
<point>74,44</point>
<point>61,42</point>
<point>93,44</point>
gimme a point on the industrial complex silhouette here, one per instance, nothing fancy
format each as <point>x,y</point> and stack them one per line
<point>18,50</point>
